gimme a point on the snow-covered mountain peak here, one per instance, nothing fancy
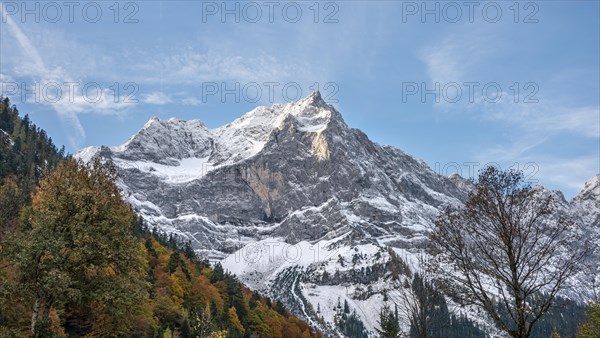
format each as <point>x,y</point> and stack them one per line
<point>247,135</point>
<point>167,142</point>
<point>314,99</point>
<point>172,123</point>
<point>311,112</point>
<point>590,191</point>
<point>587,202</point>
<point>461,182</point>
<point>152,120</point>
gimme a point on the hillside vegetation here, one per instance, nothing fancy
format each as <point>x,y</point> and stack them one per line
<point>75,260</point>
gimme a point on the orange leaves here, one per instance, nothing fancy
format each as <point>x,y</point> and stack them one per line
<point>203,292</point>
<point>276,323</point>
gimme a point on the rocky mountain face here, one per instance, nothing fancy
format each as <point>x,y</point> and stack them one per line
<point>587,202</point>
<point>585,208</point>
<point>296,203</point>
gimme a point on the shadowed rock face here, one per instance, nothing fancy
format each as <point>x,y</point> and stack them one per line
<point>295,173</point>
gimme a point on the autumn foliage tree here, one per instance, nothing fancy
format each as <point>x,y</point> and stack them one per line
<point>77,253</point>
<point>506,251</point>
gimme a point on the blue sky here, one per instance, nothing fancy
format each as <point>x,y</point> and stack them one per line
<point>528,73</point>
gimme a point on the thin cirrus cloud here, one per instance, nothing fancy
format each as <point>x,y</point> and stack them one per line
<point>38,70</point>
<point>185,66</point>
<point>191,101</point>
<point>195,67</point>
<point>157,98</point>
<point>525,130</point>
<point>55,87</point>
<point>550,118</point>
<point>567,173</point>
<point>570,173</point>
<point>453,60</point>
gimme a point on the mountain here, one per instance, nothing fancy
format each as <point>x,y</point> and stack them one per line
<point>299,205</point>
<point>178,294</point>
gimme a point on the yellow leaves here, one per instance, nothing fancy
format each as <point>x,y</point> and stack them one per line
<point>218,334</point>
<point>590,328</point>
<point>188,264</point>
<point>166,310</point>
<point>162,279</point>
<point>294,327</point>
<point>163,259</point>
<point>235,321</point>
<point>267,322</point>
<point>176,290</point>
<point>160,250</point>
<point>80,239</point>
<point>206,272</point>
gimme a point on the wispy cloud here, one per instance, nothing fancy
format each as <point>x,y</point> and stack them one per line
<point>158,98</point>
<point>67,104</point>
<point>455,57</point>
<point>527,127</point>
<point>191,101</point>
<point>549,118</point>
<point>460,58</point>
<point>38,68</point>
<point>571,173</point>
<point>195,67</point>
<point>565,173</point>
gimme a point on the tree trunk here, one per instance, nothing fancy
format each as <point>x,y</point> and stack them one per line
<point>34,315</point>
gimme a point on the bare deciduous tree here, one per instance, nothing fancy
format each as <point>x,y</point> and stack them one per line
<point>418,304</point>
<point>506,251</point>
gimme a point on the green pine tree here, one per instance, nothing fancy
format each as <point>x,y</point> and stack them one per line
<point>388,323</point>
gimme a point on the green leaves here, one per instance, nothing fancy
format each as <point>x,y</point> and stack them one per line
<point>79,252</point>
<point>388,323</point>
<point>591,327</point>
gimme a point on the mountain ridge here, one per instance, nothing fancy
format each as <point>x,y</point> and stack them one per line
<point>285,175</point>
